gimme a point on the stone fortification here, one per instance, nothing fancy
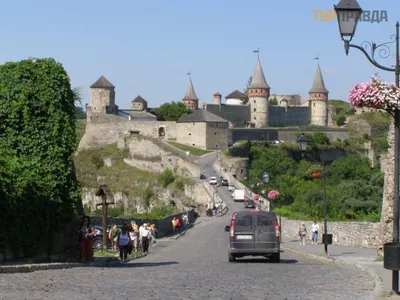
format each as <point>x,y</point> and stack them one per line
<point>355,234</point>
<point>108,129</point>
<point>386,230</point>
<point>154,155</point>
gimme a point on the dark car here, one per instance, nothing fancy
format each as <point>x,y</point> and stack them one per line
<point>254,233</point>
<point>249,203</point>
<point>224,182</point>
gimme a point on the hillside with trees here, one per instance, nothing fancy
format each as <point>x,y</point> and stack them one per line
<point>354,189</point>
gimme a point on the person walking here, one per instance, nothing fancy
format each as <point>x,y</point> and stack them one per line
<point>113,236</point>
<point>85,236</point>
<point>314,230</point>
<point>174,225</point>
<point>302,234</point>
<point>145,236</point>
<point>124,241</point>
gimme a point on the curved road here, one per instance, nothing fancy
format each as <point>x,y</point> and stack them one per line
<point>195,267</point>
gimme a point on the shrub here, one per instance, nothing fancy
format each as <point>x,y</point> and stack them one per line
<point>166,177</point>
<point>341,121</point>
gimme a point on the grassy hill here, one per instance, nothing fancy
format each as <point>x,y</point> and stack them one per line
<point>340,109</point>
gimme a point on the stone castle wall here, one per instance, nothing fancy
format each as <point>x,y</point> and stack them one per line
<point>356,234</point>
<point>108,129</point>
<point>154,156</point>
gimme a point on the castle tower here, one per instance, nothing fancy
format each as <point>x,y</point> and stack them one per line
<point>319,101</point>
<point>102,97</point>
<point>217,98</point>
<point>258,93</point>
<point>190,100</point>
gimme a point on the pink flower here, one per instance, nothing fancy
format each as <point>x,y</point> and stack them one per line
<point>376,94</point>
<point>273,194</point>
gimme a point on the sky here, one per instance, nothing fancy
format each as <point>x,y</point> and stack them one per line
<point>147,47</point>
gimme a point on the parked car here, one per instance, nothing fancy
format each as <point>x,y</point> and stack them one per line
<point>231,188</point>
<point>213,180</point>
<point>254,233</point>
<point>224,182</point>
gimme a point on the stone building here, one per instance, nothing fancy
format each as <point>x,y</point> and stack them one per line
<point>254,110</point>
<point>102,98</point>
<point>202,129</point>
<point>138,112</point>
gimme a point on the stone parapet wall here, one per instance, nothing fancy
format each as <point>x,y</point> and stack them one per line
<point>355,234</point>
<point>155,156</point>
<point>108,129</point>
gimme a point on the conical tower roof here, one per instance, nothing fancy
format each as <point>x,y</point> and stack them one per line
<point>258,81</point>
<point>190,93</point>
<point>318,85</point>
<point>102,82</point>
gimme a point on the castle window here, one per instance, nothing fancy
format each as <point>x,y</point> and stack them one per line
<point>314,104</point>
<point>254,101</point>
<point>190,133</point>
<point>254,118</point>
<point>193,144</point>
<point>215,133</point>
<point>254,109</point>
<point>216,146</point>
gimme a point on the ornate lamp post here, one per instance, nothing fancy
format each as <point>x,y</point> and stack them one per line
<point>348,13</point>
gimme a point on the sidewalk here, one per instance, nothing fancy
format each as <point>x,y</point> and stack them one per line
<point>362,258</point>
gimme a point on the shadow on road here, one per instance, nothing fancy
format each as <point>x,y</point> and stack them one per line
<point>144,265</point>
<point>264,260</point>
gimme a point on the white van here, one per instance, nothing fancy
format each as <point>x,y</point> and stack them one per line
<point>238,195</point>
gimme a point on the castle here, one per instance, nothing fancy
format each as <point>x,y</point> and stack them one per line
<point>209,127</point>
<point>254,111</point>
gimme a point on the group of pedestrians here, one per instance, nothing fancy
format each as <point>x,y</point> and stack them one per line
<point>132,238</point>
<point>314,233</point>
<point>179,226</point>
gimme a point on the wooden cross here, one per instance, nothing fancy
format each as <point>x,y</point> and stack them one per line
<point>103,192</point>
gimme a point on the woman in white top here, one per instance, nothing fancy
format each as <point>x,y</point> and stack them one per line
<point>315,229</point>
<point>124,241</point>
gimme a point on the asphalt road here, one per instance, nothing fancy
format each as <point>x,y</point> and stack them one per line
<point>195,267</point>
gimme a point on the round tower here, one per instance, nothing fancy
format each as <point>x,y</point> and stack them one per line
<point>217,98</point>
<point>190,100</point>
<point>319,100</point>
<point>258,94</point>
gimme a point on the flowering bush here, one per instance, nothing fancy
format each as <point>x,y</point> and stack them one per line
<point>273,194</point>
<point>376,94</point>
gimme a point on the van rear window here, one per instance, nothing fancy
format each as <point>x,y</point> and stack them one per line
<point>264,221</point>
<point>243,223</point>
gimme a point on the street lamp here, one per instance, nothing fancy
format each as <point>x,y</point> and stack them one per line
<point>265,177</point>
<point>347,27</point>
<point>303,141</point>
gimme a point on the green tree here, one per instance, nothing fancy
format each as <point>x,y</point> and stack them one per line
<point>245,90</point>
<point>38,185</point>
<point>171,111</point>
<point>79,113</point>
<point>273,101</point>
<point>341,121</point>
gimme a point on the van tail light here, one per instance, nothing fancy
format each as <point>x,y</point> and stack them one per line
<point>277,229</point>
<point>231,235</point>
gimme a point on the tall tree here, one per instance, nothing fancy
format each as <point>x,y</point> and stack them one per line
<point>37,134</point>
<point>248,84</point>
<point>171,111</point>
